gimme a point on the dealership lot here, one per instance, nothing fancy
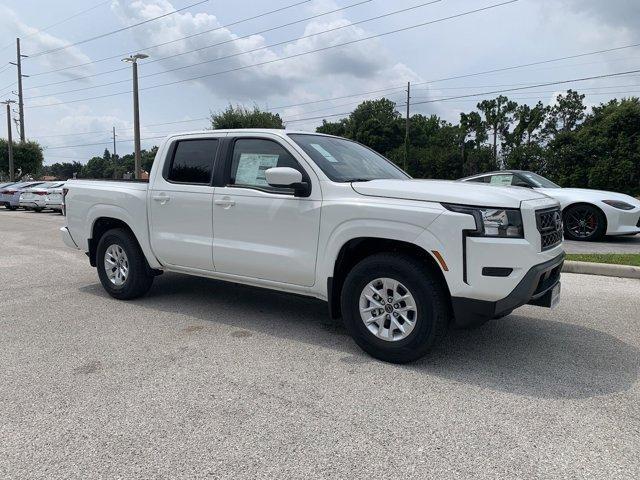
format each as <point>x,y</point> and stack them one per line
<point>611,245</point>
<point>205,378</point>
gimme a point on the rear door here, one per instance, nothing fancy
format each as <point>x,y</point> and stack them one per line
<point>260,231</point>
<point>180,203</point>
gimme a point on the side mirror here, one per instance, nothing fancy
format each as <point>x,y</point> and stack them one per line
<point>522,184</point>
<point>287,177</point>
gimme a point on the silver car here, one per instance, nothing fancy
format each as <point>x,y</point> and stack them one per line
<point>10,196</point>
<point>53,199</point>
<point>34,198</point>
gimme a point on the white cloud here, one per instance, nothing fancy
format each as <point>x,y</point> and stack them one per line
<point>352,68</point>
<point>35,41</point>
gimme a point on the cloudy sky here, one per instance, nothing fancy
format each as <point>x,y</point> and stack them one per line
<point>293,57</point>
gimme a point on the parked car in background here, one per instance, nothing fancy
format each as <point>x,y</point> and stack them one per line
<point>587,214</point>
<point>33,198</point>
<point>53,198</point>
<point>10,196</point>
<point>399,259</point>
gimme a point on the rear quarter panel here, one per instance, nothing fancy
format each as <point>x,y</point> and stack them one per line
<point>87,201</point>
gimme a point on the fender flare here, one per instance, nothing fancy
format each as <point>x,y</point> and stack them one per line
<point>118,213</point>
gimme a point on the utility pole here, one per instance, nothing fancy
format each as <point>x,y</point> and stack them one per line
<point>406,135</point>
<point>10,139</point>
<point>18,63</point>
<point>133,59</point>
<point>114,143</point>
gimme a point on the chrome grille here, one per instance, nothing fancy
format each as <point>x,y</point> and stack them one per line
<point>549,222</point>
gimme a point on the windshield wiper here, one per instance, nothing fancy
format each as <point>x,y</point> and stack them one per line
<point>359,180</point>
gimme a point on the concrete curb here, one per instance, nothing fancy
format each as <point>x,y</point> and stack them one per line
<point>588,268</point>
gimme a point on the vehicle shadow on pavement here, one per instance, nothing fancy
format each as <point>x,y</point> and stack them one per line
<point>517,354</point>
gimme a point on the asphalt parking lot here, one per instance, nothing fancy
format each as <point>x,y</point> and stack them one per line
<point>202,378</point>
<point>625,244</point>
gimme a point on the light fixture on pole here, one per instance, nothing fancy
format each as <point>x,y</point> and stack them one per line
<point>9,139</point>
<point>133,60</point>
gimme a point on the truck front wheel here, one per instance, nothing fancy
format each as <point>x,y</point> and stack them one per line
<point>394,307</point>
<point>121,265</point>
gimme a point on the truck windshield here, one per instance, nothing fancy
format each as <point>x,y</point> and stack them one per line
<point>346,161</point>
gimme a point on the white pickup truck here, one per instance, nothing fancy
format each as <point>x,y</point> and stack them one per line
<point>398,259</point>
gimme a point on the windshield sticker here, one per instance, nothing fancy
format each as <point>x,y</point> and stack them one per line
<point>324,153</point>
<point>251,168</point>
<point>503,180</point>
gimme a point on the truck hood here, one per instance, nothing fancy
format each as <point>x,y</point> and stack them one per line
<point>445,191</point>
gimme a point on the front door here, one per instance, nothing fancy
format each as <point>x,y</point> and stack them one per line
<point>180,204</point>
<point>260,231</point>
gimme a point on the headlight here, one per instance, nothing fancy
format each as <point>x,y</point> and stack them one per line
<point>619,204</point>
<point>493,222</point>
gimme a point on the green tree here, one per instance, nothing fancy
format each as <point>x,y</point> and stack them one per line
<point>27,159</point>
<point>497,116</point>
<point>95,168</point>
<point>566,114</point>
<point>242,117</point>
<point>603,152</point>
<point>375,123</point>
<point>66,170</point>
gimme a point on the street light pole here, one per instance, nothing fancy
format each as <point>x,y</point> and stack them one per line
<point>10,139</point>
<point>133,59</point>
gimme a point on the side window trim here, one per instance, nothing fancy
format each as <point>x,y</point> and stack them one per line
<point>171,155</point>
<point>228,165</point>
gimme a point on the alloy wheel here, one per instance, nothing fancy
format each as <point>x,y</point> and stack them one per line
<point>582,222</point>
<point>116,265</point>
<point>388,309</point>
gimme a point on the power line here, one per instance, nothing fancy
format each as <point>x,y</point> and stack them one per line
<point>149,47</point>
<point>72,134</point>
<point>482,94</point>
<point>100,143</point>
<point>531,64</point>
<point>201,48</point>
<point>516,89</point>
<point>553,91</point>
<point>106,34</point>
<point>58,23</point>
<point>329,47</point>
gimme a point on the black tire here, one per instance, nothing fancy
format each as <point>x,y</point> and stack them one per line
<point>9,207</point>
<point>139,278</point>
<point>433,311</point>
<point>584,223</point>
<point>38,210</point>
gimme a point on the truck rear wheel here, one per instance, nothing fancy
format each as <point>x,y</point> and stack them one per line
<point>122,268</point>
<point>394,307</point>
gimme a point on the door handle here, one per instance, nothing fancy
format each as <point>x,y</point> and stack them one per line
<point>161,198</point>
<point>225,202</point>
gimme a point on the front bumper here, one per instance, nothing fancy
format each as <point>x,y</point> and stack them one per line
<point>535,289</point>
<point>622,222</point>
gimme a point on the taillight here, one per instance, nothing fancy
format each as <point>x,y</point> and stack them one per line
<point>9,192</point>
<point>40,193</point>
<point>64,196</point>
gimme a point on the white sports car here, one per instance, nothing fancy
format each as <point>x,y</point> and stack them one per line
<point>587,214</point>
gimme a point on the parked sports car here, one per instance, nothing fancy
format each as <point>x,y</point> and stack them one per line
<point>10,196</point>
<point>34,198</point>
<point>587,214</point>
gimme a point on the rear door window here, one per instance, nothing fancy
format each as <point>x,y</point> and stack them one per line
<point>193,161</point>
